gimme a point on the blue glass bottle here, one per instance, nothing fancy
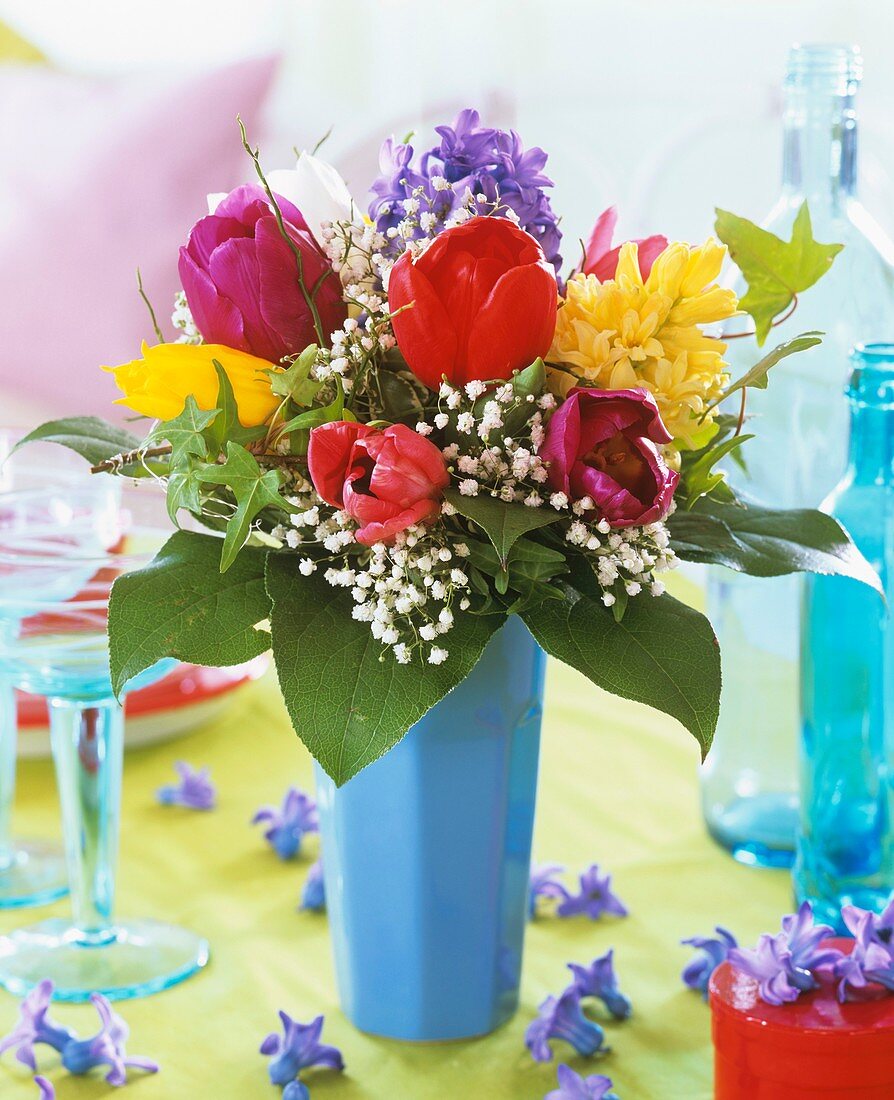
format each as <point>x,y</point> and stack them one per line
<point>845,852</point>
<point>749,783</point>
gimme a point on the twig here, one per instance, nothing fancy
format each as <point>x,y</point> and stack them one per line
<point>145,298</point>
<point>127,458</point>
<point>778,321</point>
<point>741,421</point>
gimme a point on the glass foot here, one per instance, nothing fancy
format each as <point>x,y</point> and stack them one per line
<point>758,830</point>
<point>134,959</point>
<point>34,874</point>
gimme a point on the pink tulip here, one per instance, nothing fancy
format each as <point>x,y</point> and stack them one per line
<point>602,444</point>
<point>601,259</point>
<point>241,278</point>
<point>386,480</point>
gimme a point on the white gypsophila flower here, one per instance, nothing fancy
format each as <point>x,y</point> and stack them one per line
<point>307,566</point>
<point>465,422</point>
<point>182,320</point>
<point>437,656</point>
<point>469,487</point>
<point>424,429</point>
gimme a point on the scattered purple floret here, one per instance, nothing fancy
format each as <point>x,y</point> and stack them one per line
<point>296,1090</point>
<point>561,1018</point>
<point>298,1048</point>
<point>313,895</point>
<point>287,824</point>
<point>804,936</point>
<point>697,973</point>
<point>872,958</point>
<point>600,981</point>
<point>574,1087</point>
<point>544,883</point>
<point>35,1026</point>
<point>47,1090</point>
<point>595,897</point>
<point>106,1048</point>
<point>195,791</point>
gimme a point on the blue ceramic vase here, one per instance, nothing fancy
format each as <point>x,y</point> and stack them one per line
<point>427,856</point>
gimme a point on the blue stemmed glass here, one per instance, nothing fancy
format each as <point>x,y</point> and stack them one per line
<point>57,566</point>
<point>33,872</point>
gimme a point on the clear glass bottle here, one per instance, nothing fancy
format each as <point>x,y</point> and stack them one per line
<point>845,852</point>
<point>749,782</point>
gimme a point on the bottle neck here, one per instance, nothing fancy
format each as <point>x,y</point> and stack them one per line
<point>871,449</point>
<point>819,161</point>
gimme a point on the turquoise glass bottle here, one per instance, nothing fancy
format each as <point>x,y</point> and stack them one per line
<point>749,782</point>
<point>845,851</point>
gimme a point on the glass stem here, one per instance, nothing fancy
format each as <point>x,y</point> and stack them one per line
<point>88,743</point>
<point>7,770</point>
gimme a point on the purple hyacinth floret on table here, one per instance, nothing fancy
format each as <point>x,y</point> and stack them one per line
<point>35,1026</point>
<point>544,883</point>
<point>287,824</point>
<point>714,950</point>
<point>468,157</point>
<point>106,1048</point>
<point>47,1089</point>
<point>783,964</point>
<point>595,898</point>
<point>298,1048</point>
<point>561,1018</point>
<point>572,1086</point>
<point>296,1090</point>
<point>599,980</point>
<point>313,894</point>
<point>872,957</point>
<point>195,791</point>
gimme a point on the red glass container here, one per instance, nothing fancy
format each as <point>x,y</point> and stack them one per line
<point>811,1049</point>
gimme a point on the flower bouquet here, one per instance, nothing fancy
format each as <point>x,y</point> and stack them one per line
<point>421,458</point>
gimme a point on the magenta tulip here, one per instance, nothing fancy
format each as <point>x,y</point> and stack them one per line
<point>603,444</point>
<point>240,278</point>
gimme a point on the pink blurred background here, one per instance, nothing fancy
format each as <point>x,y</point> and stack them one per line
<point>116,123</point>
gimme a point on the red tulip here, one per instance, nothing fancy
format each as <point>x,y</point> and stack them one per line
<point>387,480</point>
<point>481,303</point>
<point>601,259</point>
<point>603,444</point>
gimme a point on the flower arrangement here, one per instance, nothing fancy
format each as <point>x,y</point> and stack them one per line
<point>400,428</point>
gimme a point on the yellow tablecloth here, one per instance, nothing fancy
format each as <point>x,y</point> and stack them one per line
<point>618,787</point>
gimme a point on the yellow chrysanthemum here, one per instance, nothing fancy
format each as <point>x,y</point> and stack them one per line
<point>158,384</point>
<point>626,332</point>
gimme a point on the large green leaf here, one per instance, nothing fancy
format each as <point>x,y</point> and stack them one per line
<point>768,542</point>
<point>502,522</point>
<point>775,270</point>
<point>254,489</point>
<point>180,605</point>
<point>347,704</point>
<point>661,653</point>
<point>89,436</point>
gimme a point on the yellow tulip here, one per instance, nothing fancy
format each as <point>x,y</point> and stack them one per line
<point>158,384</point>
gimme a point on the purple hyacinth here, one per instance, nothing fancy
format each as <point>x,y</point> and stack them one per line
<point>195,791</point>
<point>287,825</point>
<point>714,950</point>
<point>544,883</point>
<point>872,957</point>
<point>313,894</point>
<point>106,1048</point>
<point>600,981</point>
<point>297,1049</point>
<point>468,156</point>
<point>574,1087</point>
<point>47,1089</point>
<point>561,1018</point>
<point>595,897</point>
<point>35,1026</point>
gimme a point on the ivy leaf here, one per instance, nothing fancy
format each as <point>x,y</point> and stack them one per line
<point>347,704</point>
<point>226,425</point>
<point>186,432</point>
<point>181,606</point>
<point>183,489</point>
<point>92,438</point>
<point>768,542</point>
<point>775,270</point>
<point>661,653</point>
<point>700,478</point>
<point>501,521</point>
<point>757,378</point>
<point>254,490</point>
<point>295,382</point>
